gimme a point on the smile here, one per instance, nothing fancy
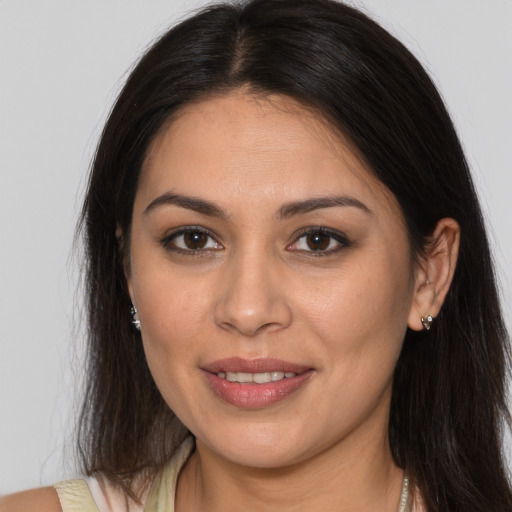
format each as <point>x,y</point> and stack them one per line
<point>255,383</point>
<point>256,378</point>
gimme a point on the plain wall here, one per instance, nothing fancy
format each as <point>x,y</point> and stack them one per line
<point>61,64</point>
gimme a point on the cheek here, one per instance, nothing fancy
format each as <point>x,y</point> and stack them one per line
<point>173,309</point>
<point>172,318</point>
<point>172,321</point>
<point>363,308</point>
<point>358,322</point>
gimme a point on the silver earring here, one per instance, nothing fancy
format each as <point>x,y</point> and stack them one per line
<point>135,318</point>
<point>427,322</point>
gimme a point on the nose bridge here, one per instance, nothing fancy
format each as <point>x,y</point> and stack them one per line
<point>252,298</point>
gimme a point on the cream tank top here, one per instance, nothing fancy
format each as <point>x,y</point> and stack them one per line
<point>96,495</point>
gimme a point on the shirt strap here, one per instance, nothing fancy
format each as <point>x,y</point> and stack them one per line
<point>75,496</point>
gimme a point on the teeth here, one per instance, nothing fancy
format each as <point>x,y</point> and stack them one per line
<point>262,378</point>
<point>258,378</point>
<point>243,377</point>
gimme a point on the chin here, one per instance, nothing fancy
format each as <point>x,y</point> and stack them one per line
<point>265,457</point>
<point>258,449</point>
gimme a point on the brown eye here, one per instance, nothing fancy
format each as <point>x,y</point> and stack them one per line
<point>322,241</point>
<point>191,240</point>
<point>318,241</point>
<point>195,240</point>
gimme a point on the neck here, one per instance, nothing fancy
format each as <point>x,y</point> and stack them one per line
<point>355,474</point>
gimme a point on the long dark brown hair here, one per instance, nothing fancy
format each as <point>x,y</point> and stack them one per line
<point>448,405</point>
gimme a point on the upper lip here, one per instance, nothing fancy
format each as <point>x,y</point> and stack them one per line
<point>259,365</point>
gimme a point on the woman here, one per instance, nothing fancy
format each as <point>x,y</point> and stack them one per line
<point>291,301</point>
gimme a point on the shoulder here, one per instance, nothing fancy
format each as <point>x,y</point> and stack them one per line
<point>44,499</point>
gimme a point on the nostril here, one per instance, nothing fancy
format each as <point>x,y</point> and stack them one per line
<point>250,329</point>
<point>253,322</point>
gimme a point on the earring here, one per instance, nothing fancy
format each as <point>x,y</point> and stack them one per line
<point>135,318</point>
<point>427,322</point>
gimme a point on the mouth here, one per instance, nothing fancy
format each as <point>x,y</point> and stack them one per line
<point>256,378</point>
<point>255,383</point>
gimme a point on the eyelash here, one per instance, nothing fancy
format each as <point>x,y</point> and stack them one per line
<point>340,238</point>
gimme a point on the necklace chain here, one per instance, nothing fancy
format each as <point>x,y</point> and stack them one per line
<point>404,496</point>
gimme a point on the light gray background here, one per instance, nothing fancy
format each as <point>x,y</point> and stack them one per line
<point>61,64</point>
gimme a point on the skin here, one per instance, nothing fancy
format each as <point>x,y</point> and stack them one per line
<point>44,499</point>
<point>257,289</point>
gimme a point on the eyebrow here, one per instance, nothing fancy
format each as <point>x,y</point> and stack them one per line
<point>190,203</point>
<point>208,208</point>
<point>309,205</point>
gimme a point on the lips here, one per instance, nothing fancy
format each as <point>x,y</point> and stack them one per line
<point>255,383</point>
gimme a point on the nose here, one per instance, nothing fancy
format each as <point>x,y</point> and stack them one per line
<point>251,297</point>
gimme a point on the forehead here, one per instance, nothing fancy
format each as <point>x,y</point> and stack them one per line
<point>252,148</point>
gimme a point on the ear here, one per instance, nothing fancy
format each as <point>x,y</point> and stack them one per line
<point>435,272</point>
<point>121,243</point>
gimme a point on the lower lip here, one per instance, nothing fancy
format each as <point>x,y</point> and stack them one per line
<point>253,396</point>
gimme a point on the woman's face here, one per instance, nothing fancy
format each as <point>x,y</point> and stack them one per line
<point>273,278</point>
